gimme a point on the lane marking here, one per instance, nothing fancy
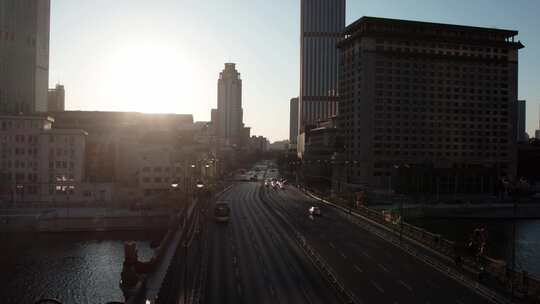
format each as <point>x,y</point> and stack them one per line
<point>358,268</point>
<point>366,255</point>
<point>384,268</point>
<point>405,285</point>
<point>342,255</point>
<point>332,245</point>
<point>377,286</point>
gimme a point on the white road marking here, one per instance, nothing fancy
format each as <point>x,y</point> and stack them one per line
<point>366,255</point>
<point>358,268</point>
<point>384,268</point>
<point>377,286</point>
<point>342,255</point>
<point>405,285</point>
<point>332,245</point>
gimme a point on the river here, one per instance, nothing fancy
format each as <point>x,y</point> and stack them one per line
<point>72,267</point>
<point>500,238</point>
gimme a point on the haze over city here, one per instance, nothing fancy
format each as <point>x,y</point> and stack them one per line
<point>119,55</point>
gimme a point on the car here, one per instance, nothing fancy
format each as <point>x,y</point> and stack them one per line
<point>315,211</point>
<point>266,183</point>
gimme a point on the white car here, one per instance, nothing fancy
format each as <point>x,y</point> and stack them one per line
<point>314,211</point>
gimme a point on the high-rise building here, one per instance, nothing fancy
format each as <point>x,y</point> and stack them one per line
<point>230,105</point>
<point>293,122</point>
<point>56,101</point>
<point>521,133</point>
<point>24,55</point>
<point>322,22</point>
<point>432,103</point>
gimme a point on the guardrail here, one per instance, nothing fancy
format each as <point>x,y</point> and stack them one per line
<point>517,285</point>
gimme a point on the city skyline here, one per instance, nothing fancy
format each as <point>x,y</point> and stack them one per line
<point>189,60</point>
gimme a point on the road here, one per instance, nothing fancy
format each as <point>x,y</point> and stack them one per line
<point>255,258</point>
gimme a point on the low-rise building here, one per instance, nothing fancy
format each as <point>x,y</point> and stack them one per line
<point>38,163</point>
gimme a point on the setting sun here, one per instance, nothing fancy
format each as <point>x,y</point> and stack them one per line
<point>150,78</point>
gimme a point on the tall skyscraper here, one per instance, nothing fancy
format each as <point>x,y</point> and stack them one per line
<point>431,103</point>
<point>230,105</point>
<point>56,101</point>
<point>322,22</point>
<point>24,55</point>
<point>293,122</point>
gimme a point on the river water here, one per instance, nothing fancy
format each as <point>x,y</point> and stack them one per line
<point>72,267</point>
<point>500,238</point>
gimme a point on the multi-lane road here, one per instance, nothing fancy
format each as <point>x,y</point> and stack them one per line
<point>255,258</point>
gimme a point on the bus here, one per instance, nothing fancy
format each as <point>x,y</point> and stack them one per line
<point>222,212</point>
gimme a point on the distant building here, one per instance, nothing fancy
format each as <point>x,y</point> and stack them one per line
<point>419,104</point>
<point>244,136</point>
<point>214,120</point>
<point>281,145</point>
<point>258,143</point>
<point>39,163</point>
<point>521,133</point>
<point>537,134</point>
<point>114,139</point>
<point>316,149</point>
<point>320,142</point>
<point>24,56</point>
<point>293,121</point>
<point>56,100</point>
<point>229,110</point>
<point>322,22</point>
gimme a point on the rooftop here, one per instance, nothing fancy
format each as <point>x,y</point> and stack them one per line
<point>350,29</point>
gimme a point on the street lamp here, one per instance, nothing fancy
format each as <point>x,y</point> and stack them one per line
<point>199,184</point>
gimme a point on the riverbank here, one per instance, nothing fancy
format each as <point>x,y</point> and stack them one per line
<point>81,220</point>
<point>464,211</point>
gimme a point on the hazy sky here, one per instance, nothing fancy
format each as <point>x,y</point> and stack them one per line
<point>165,55</point>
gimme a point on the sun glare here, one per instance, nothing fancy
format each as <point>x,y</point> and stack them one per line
<point>151,78</point>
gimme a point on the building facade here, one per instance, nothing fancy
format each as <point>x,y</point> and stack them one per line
<point>521,132</point>
<point>293,121</point>
<point>321,25</point>
<point>114,139</point>
<point>430,104</point>
<point>37,162</point>
<point>56,100</point>
<point>24,55</point>
<point>230,113</point>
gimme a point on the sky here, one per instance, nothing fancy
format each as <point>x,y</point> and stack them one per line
<point>165,55</point>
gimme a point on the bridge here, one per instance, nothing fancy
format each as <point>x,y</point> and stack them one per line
<point>272,251</point>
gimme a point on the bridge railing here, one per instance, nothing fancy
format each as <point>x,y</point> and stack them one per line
<point>516,283</point>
